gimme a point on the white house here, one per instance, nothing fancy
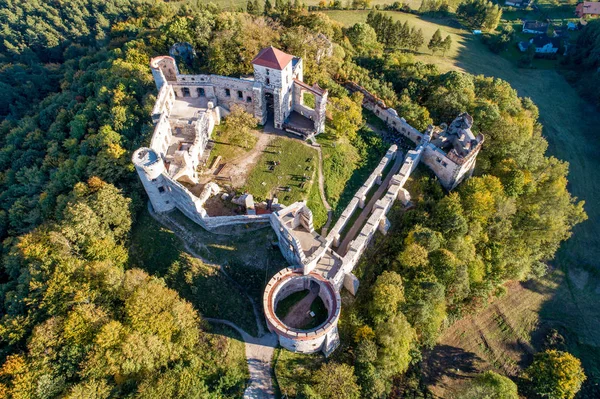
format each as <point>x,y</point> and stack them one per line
<point>543,44</point>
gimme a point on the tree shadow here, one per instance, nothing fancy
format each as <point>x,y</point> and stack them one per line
<point>448,361</point>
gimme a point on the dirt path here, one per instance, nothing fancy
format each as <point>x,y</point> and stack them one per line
<point>259,353</point>
<point>238,169</point>
<point>366,212</point>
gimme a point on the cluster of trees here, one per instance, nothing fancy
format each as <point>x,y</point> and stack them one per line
<point>438,44</point>
<point>279,7</point>
<point>479,14</point>
<point>585,61</point>
<point>438,8</point>
<point>500,41</point>
<point>77,324</point>
<point>395,35</point>
<point>446,257</point>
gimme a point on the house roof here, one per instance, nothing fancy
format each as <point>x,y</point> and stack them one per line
<point>542,40</point>
<point>271,57</point>
<point>590,7</point>
<point>535,25</point>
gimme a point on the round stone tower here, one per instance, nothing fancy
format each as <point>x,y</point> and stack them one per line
<point>150,168</point>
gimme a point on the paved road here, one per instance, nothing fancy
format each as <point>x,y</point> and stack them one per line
<point>366,212</point>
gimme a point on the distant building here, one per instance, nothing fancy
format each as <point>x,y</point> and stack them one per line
<point>543,44</point>
<point>518,3</point>
<point>588,9</point>
<point>535,27</point>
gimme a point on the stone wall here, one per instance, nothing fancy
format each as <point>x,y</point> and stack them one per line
<point>377,221</point>
<point>450,169</point>
<point>386,114</point>
<point>164,69</point>
<point>358,201</point>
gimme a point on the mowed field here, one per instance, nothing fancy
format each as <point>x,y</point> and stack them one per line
<point>569,300</point>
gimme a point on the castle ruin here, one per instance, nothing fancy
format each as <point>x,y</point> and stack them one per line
<point>186,111</point>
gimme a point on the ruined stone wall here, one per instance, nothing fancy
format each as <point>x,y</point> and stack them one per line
<point>386,114</point>
<point>449,172</point>
<point>358,201</point>
<point>225,92</point>
<point>162,135</point>
<point>164,69</point>
<point>298,103</point>
<point>288,244</point>
<point>377,221</point>
<point>164,103</point>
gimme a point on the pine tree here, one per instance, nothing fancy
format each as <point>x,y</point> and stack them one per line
<point>268,8</point>
<point>416,39</point>
<point>435,43</point>
<point>250,7</point>
<point>256,8</point>
<point>446,44</point>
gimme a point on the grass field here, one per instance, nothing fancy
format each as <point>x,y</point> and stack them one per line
<point>428,25</point>
<point>241,4</point>
<point>297,169</point>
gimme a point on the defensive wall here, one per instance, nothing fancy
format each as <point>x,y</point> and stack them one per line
<point>322,338</point>
<point>450,165</point>
<point>450,153</point>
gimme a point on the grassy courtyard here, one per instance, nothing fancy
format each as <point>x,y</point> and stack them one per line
<point>287,169</point>
<point>225,148</point>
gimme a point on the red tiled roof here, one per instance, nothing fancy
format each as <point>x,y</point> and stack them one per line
<point>271,57</point>
<point>588,7</point>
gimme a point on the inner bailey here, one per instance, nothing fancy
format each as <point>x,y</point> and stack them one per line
<point>186,111</point>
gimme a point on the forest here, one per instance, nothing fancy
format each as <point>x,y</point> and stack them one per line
<point>77,321</point>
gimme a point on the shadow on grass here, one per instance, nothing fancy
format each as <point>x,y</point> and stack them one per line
<point>449,361</point>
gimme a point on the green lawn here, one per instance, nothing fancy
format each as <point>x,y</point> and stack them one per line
<point>428,25</point>
<point>293,370</point>
<point>297,170</point>
<point>224,148</point>
<point>315,203</point>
